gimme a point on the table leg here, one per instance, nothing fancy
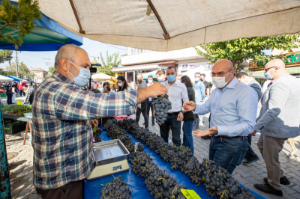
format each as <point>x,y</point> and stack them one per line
<point>26,129</point>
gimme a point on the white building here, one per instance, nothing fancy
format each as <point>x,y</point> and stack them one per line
<point>142,61</point>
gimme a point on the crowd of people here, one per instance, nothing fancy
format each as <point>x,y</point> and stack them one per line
<point>64,114</point>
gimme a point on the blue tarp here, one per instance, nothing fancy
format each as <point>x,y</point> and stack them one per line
<point>92,188</point>
<point>15,78</point>
<point>47,23</point>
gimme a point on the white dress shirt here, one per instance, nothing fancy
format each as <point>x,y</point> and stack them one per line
<point>177,93</point>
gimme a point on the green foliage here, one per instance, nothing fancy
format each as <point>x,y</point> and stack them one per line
<point>24,72</point>
<point>4,73</point>
<point>106,65</point>
<point>248,48</point>
<point>18,19</point>
<point>5,55</point>
<point>51,71</point>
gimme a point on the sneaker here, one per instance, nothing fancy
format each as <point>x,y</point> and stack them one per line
<point>250,160</point>
<point>283,180</point>
<point>268,189</point>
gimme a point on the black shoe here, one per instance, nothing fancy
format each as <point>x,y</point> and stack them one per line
<point>207,137</point>
<point>283,180</point>
<point>250,160</point>
<point>268,189</point>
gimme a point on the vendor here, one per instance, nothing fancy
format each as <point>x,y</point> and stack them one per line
<point>62,131</point>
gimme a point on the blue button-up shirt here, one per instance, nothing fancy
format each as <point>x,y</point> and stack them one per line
<point>233,110</point>
<point>199,88</point>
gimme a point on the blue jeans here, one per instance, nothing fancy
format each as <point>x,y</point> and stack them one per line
<point>228,152</point>
<point>187,129</point>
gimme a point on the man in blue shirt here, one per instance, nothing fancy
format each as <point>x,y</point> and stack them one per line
<point>199,89</point>
<point>233,107</point>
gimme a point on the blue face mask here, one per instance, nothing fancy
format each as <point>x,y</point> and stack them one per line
<point>83,77</point>
<point>268,76</point>
<point>171,78</point>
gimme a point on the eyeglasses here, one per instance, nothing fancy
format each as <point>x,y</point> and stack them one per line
<point>266,69</point>
<point>220,74</point>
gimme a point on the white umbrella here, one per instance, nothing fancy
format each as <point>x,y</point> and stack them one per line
<point>164,25</point>
<point>102,76</point>
<point>5,79</point>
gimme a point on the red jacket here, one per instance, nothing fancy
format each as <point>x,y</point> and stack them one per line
<point>19,87</point>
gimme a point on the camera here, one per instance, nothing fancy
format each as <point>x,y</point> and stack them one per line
<point>108,88</point>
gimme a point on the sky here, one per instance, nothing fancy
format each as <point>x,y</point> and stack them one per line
<point>39,59</point>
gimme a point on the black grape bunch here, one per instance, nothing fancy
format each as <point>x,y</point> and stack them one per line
<point>161,106</point>
<point>96,134</point>
<point>116,189</point>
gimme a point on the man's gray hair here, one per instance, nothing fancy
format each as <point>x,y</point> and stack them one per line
<point>67,51</point>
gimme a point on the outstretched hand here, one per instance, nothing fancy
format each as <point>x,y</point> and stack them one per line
<point>189,106</point>
<point>210,131</point>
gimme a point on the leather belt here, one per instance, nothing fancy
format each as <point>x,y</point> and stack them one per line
<point>174,113</point>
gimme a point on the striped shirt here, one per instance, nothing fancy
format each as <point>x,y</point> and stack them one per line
<point>62,131</point>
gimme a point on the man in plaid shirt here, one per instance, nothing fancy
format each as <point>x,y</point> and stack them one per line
<point>62,130</point>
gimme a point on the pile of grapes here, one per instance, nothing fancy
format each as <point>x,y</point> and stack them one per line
<point>96,134</point>
<point>161,106</point>
<point>217,181</point>
<point>116,189</point>
<point>159,183</point>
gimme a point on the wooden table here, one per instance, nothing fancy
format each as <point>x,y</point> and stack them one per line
<point>23,119</point>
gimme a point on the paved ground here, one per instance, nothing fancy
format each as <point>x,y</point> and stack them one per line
<point>21,166</point>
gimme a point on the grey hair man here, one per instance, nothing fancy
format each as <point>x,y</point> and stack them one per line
<point>278,120</point>
<point>142,108</point>
<point>62,130</point>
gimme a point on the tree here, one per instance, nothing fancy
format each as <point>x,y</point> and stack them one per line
<point>51,71</point>
<point>111,61</point>
<point>5,55</point>
<point>242,49</point>
<point>24,72</point>
<point>18,19</point>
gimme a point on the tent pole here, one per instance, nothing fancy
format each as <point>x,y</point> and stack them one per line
<point>5,192</point>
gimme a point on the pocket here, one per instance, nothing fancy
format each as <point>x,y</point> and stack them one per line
<point>231,142</point>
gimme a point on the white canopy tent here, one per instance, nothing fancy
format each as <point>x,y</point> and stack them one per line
<point>164,25</point>
<point>5,79</point>
<point>102,77</point>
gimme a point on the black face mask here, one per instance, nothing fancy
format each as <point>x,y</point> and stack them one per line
<point>201,79</point>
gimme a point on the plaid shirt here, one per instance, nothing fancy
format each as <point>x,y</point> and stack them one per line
<point>62,131</point>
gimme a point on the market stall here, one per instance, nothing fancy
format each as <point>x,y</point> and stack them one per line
<point>93,187</point>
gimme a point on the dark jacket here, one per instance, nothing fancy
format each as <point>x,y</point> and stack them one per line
<point>255,85</point>
<point>141,86</point>
<point>188,116</point>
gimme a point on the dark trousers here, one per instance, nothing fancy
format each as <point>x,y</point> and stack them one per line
<point>228,152</point>
<point>9,98</point>
<point>150,106</point>
<point>175,126</point>
<point>250,153</point>
<point>72,190</point>
<point>142,110</point>
<point>21,93</point>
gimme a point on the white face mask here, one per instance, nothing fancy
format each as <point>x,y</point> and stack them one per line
<point>219,82</point>
<point>197,79</point>
<point>150,81</point>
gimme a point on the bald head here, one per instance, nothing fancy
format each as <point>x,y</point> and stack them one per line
<point>275,68</point>
<point>67,51</point>
<point>223,68</point>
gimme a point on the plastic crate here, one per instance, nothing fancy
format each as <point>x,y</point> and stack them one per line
<point>14,127</point>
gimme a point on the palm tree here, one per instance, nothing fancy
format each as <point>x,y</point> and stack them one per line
<point>106,65</point>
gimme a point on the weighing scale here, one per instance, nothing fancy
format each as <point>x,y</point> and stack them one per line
<point>109,157</point>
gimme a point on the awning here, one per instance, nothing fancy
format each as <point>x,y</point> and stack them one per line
<point>47,35</point>
<point>17,79</point>
<point>141,67</point>
<point>5,79</point>
<point>164,25</point>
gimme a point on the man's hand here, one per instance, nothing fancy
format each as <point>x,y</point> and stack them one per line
<point>153,113</point>
<point>254,133</point>
<point>210,131</point>
<point>157,89</point>
<point>189,106</point>
<point>180,116</point>
<point>94,122</point>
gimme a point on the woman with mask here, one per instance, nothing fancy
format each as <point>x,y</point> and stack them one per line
<point>122,84</point>
<point>188,117</point>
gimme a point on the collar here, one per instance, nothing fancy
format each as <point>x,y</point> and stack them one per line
<point>233,83</point>
<point>62,78</point>
<point>176,82</point>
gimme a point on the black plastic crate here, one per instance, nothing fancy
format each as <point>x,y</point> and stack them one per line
<point>14,127</point>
